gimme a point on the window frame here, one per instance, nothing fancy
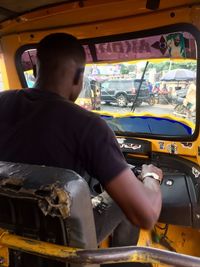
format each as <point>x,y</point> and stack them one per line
<point>133,35</point>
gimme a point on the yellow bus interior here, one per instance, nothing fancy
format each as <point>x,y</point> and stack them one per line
<point>132,48</point>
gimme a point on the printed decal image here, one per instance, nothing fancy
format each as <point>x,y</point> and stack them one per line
<point>161,45</point>
<point>172,148</point>
<point>176,45</point>
<point>187,145</point>
<point>127,144</point>
<point>161,145</point>
<point>195,172</point>
<point>121,140</point>
<point>130,146</point>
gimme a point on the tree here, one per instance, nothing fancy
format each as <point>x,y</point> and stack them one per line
<point>124,69</point>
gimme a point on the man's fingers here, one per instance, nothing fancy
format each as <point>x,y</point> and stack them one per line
<point>151,168</point>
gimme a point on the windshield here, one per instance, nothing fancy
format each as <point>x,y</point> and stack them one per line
<point>140,85</point>
<point>167,91</point>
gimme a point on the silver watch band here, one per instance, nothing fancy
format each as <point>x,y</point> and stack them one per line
<point>153,175</point>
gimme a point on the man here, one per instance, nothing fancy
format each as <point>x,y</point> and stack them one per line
<point>150,87</point>
<point>190,99</point>
<point>43,126</point>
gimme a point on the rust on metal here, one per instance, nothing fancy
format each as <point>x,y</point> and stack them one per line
<point>97,256</point>
<point>12,181</point>
<point>52,199</point>
<point>56,202</point>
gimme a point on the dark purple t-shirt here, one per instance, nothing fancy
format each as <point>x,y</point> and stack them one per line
<point>40,127</point>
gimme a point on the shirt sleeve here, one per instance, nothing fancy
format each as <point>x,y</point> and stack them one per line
<point>100,152</point>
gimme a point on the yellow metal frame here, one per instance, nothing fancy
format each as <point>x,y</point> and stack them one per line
<point>94,256</point>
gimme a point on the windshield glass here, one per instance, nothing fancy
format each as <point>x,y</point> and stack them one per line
<point>139,85</point>
<point>168,90</point>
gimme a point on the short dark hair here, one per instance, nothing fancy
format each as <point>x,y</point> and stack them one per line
<point>57,46</point>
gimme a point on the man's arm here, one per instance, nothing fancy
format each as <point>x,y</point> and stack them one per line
<point>141,202</point>
<point>102,158</point>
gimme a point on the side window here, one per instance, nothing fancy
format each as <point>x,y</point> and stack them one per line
<point>143,86</point>
<point>105,85</point>
<point>128,85</point>
<point>122,85</point>
<point>114,85</point>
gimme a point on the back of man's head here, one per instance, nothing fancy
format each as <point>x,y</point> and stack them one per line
<point>56,48</point>
<point>60,65</point>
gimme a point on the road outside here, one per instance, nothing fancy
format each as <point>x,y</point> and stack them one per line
<point>156,109</point>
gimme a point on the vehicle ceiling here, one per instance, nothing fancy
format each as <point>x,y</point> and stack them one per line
<point>13,8</point>
<point>10,9</point>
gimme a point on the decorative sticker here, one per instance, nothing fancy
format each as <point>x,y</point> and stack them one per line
<point>172,148</point>
<point>123,143</point>
<point>195,172</point>
<point>121,140</point>
<point>187,145</point>
<point>161,145</point>
<point>161,45</point>
<point>176,45</point>
<point>130,146</point>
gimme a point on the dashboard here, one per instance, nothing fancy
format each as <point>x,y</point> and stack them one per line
<point>180,186</point>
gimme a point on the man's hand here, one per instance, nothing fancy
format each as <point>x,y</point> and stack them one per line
<point>141,202</point>
<point>151,169</point>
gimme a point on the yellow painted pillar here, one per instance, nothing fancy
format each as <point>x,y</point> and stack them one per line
<point>9,46</point>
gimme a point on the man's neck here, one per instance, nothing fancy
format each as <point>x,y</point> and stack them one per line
<point>53,87</point>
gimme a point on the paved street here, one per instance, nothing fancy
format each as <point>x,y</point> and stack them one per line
<point>157,108</point>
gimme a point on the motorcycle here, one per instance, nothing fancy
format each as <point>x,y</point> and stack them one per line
<point>183,109</point>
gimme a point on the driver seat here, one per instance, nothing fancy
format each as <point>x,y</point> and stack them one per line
<point>48,204</point>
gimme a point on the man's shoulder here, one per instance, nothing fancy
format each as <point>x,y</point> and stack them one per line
<point>12,93</point>
<point>76,110</point>
<point>55,104</point>
<point>8,95</point>
<point>8,92</point>
<point>86,124</point>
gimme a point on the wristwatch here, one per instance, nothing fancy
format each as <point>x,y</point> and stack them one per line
<point>153,175</point>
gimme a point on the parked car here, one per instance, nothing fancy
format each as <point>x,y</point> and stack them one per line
<point>123,92</point>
